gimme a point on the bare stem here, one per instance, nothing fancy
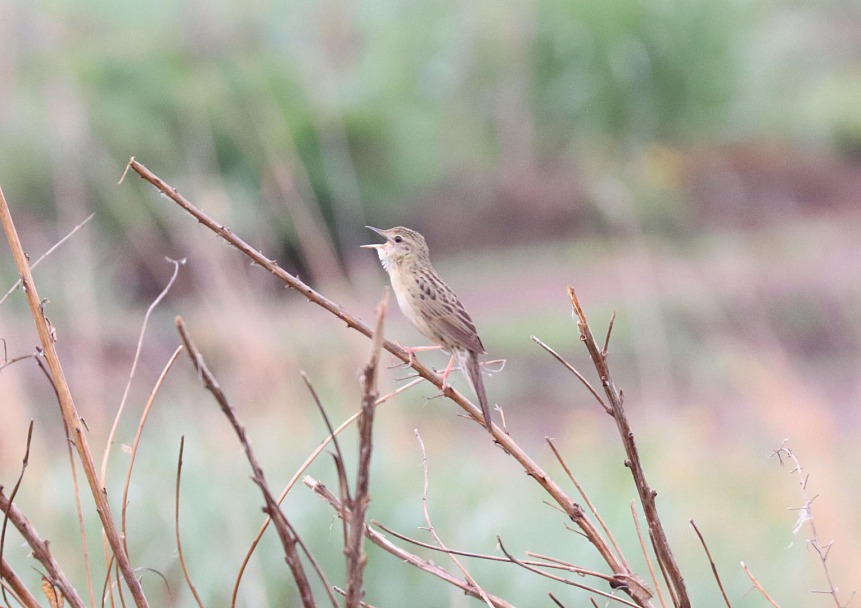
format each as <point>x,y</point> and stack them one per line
<point>664,553</point>
<point>67,405</point>
<point>288,536</point>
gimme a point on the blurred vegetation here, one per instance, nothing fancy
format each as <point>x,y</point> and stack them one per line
<point>694,165</point>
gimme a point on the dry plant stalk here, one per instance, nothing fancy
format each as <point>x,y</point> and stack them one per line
<point>16,586</point>
<point>41,550</point>
<point>289,539</point>
<point>67,405</point>
<point>805,516</point>
<point>358,506</point>
<point>661,545</point>
<point>624,578</point>
<point>402,554</point>
<point>181,555</point>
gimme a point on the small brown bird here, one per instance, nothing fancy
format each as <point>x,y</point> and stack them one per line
<point>431,306</point>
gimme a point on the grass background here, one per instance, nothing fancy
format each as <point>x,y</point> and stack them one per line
<point>693,166</point>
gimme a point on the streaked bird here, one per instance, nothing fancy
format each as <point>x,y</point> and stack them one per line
<point>431,306</point>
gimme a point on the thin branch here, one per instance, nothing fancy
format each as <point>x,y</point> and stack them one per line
<point>560,579</point>
<point>588,502</point>
<point>712,564</point>
<point>16,586</point>
<point>75,487</point>
<point>636,587</point>
<point>70,413</point>
<point>47,253</point>
<point>402,554</point>
<point>358,506</point>
<point>574,371</point>
<point>645,550</point>
<point>285,531</point>
<point>343,484</point>
<point>758,587</point>
<point>805,516</point>
<point>547,562</point>
<point>481,592</point>
<point>41,551</point>
<point>135,360</point>
<point>137,440</point>
<point>300,471</point>
<point>344,593</point>
<point>647,495</point>
<point>24,462</point>
<point>606,348</point>
<point>176,526</point>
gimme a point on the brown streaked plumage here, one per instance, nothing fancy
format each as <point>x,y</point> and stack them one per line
<point>430,305</point>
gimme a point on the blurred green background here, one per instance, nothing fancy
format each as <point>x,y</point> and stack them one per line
<point>693,165</point>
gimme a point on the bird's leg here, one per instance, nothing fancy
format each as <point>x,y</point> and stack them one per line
<point>447,371</point>
<point>412,350</point>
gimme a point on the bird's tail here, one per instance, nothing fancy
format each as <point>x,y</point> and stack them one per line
<point>472,370</point>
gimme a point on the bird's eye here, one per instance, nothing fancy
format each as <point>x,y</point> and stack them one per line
<point>399,239</point>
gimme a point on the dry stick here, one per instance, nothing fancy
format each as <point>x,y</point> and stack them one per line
<point>329,438</point>
<point>636,587</point>
<point>588,502</point>
<point>759,587</point>
<point>47,253</point>
<point>548,562</point>
<point>432,530</point>
<point>107,582</point>
<point>67,404</point>
<point>402,554</point>
<point>176,526</point>
<point>523,564</point>
<point>41,550</point>
<point>574,371</point>
<point>647,494</point>
<point>159,298</point>
<point>16,586</point>
<point>556,601</point>
<point>806,516</point>
<point>137,440</point>
<point>15,488</point>
<point>286,533</point>
<point>342,484</point>
<point>646,554</point>
<point>553,562</point>
<point>712,564</point>
<point>344,593</point>
<point>358,506</point>
<point>78,508</point>
<point>6,571</point>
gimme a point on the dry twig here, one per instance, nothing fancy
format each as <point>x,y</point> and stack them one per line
<point>67,404</point>
<point>661,545</point>
<point>805,516</point>
<point>41,551</point>
<point>712,563</point>
<point>182,563</point>
<point>402,554</point>
<point>358,506</point>
<point>137,440</point>
<point>288,536</point>
<point>759,587</point>
<point>430,527</point>
<point>300,471</point>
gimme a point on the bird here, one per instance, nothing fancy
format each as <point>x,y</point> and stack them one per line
<point>432,307</point>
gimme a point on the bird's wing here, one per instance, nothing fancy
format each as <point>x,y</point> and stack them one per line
<point>448,318</point>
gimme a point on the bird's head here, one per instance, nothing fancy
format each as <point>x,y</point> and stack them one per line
<point>402,245</point>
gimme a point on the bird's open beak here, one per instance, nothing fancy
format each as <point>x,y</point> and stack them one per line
<point>376,245</point>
